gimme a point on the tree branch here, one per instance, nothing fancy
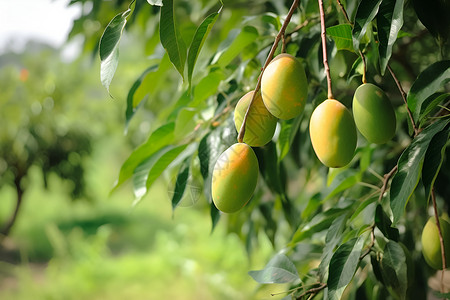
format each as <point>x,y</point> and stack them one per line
<point>269,58</point>
<point>344,12</point>
<point>324,49</point>
<point>313,291</point>
<point>9,224</point>
<point>441,239</point>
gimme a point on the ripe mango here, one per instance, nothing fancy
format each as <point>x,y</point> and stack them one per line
<point>260,125</point>
<point>284,87</point>
<point>234,178</point>
<point>333,133</point>
<point>431,246</point>
<point>374,114</point>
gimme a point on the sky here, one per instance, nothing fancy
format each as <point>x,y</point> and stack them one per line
<point>44,20</point>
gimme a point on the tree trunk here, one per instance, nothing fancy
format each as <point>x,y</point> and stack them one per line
<point>9,224</point>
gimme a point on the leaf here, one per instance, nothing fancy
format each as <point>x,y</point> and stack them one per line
<point>150,169</point>
<point>410,168</point>
<point>342,36</point>
<point>199,39</point>
<point>341,182</point>
<point>109,47</point>
<point>389,22</point>
<point>131,107</point>
<point>180,184</point>
<point>155,2</point>
<point>280,269</point>
<point>384,224</point>
<point>394,269</point>
<point>247,36</point>
<point>343,266</point>
<point>215,215</point>
<point>426,84</point>
<point>269,167</point>
<point>356,70</point>
<point>159,138</point>
<point>434,158</point>
<point>366,12</point>
<point>431,103</point>
<point>287,134</point>
<point>170,37</point>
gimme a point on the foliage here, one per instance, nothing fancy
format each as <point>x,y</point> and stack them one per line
<point>330,223</point>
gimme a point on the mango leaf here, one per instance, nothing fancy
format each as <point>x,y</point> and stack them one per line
<point>246,36</point>
<point>109,47</point>
<point>180,184</point>
<point>150,169</point>
<point>207,87</point>
<point>215,215</point>
<point>366,12</point>
<point>394,270</point>
<point>426,84</point>
<point>410,168</point>
<point>155,2</point>
<point>171,38</point>
<point>280,269</point>
<point>384,224</point>
<point>430,104</point>
<point>159,138</point>
<point>343,266</point>
<point>131,108</point>
<point>341,182</point>
<point>389,22</point>
<point>199,39</point>
<point>433,160</point>
<point>269,167</point>
<point>342,36</point>
<point>356,70</point>
<point>289,129</point>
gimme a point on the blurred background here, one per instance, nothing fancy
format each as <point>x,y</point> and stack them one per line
<point>63,235</point>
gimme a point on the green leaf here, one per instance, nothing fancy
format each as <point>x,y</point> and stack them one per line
<point>280,269</point>
<point>182,179</point>
<point>185,123</point>
<point>131,107</point>
<point>247,35</point>
<point>341,182</point>
<point>159,138</point>
<point>342,36</point>
<point>433,160</point>
<point>426,84</point>
<point>343,266</point>
<point>198,40</point>
<point>389,22</point>
<point>366,12</point>
<point>109,47</point>
<point>215,215</point>
<point>394,270</point>
<point>289,129</point>
<point>356,70</point>
<point>155,2</point>
<point>430,104</point>
<point>410,168</point>
<point>269,167</point>
<point>207,87</point>
<point>384,224</point>
<point>171,38</point>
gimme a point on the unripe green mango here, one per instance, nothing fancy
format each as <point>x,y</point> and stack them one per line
<point>260,125</point>
<point>374,114</point>
<point>333,133</point>
<point>431,246</point>
<point>234,178</point>
<point>284,87</point>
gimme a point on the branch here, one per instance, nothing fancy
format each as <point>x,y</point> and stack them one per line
<point>372,242</point>
<point>269,58</point>
<point>441,239</point>
<point>344,12</point>
<point>9,224</point>
<point>402,92</point>
<point>324,49</point>
<point>313,291</point>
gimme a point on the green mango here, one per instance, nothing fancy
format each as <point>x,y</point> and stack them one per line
<point>431,246</point>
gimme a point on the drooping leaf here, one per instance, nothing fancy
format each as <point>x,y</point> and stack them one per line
<point>131,108</point>
<point>384,224</point>
<point>410,168</point>
<point>366,12</point>
<point>155,2</point>
<point>434,158</point>
<point>356,70</point>
<point>180,184</point>
<point>389,22</point>
<point>342,36</point>
<point>171,38</point>
<point>207,87</point>
<point>109,47</point>
<point>269,167</point>
<point>394,270</point>
<point>430,104</point>
<point>280,269</point>
<point>343,266</point>
<point>198,40</point>
<point>426,84</point>
<point>341,182</point>
<point>287,134</point>
<point>246,36</point>
<point>161,137</point>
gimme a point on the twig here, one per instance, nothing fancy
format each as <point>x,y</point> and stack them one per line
<point>269,58</point>
<point>386,180</point>
<point>441,239</point>
<point>344,12</point>
<point>365,67</point>
<point>402,92</point>
<point>372,242</point>
<point>313,291</point>
<point>324,49</point>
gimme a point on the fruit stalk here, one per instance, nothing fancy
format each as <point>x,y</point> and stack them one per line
<point>324,48</point>
<point>441,239</point>
<point>268,59</point>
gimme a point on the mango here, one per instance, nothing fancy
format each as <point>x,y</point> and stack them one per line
<point>234,178</point>
<point>374,114</point>
<point>431,246</point>
<point>333,133</point>
<point>260,125</point>
<point>284,87</point>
